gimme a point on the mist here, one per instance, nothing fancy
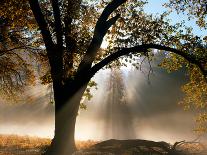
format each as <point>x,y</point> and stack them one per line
<point>127,108</point>
<point>33,115</point>
<point>151,109</point>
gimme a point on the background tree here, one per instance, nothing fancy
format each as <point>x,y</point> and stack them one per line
<point>116,108</point>
<point>72,33</point>
<point>196,89</point>
<point>16,70</point>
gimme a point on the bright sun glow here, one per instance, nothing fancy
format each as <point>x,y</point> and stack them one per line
<point>104,44</point>
<point>87,130</point>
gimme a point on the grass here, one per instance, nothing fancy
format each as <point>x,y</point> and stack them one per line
<point>25,145</point>
<point>22,145</point>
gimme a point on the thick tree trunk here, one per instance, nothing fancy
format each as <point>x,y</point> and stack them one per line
<point>63,142</point>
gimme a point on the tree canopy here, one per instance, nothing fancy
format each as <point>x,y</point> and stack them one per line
<point>194,9</point>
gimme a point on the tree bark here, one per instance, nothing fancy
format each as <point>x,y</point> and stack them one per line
<point>66,110</point>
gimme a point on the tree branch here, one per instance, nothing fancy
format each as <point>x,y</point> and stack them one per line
<point>101,28</point>
<point>23,47</point>
<point>111,21</point>
<point>58,25</point>
<point>54,52</point>
<point>110,8</point>
<point>140,49</point>
<point>39,17</point>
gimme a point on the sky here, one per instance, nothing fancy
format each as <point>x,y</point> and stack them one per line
<point>155,7</point>
<point>153,110</point>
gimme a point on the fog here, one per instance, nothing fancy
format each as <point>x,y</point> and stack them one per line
<point>130,108</point>
<point>152,109</point>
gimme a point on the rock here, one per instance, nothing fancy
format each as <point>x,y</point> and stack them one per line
<point>138,147</point>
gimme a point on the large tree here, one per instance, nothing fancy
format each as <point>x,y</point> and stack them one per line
<point>72,33</point>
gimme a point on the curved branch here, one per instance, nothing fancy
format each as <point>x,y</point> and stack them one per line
<point>23,47</point>
<point>110,8</point>
<point>140,49</point>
